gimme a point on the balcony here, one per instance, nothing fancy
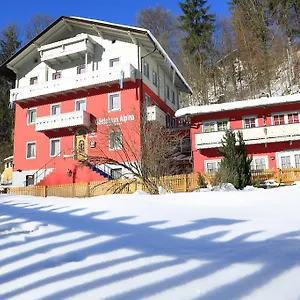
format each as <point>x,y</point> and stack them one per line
<point>67,120</point>
<point>67,50</point>
<point>154,113</point>
<point>77,82</point>
<point>258,135</point>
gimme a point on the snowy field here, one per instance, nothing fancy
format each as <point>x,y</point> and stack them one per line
<point>208,245</point>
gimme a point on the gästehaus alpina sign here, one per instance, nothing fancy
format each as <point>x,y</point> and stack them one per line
<point>115,120</point>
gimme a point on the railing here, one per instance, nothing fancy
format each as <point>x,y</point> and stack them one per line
<point>51,164</point>
<point>88,79</point>
<point>66,120</point>
<point>257,135</point>
<point>176,183</point>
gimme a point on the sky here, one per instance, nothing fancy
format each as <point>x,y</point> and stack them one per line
<point>116,11</point>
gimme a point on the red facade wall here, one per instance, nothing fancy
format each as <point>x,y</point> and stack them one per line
<point>264,115</point>
<point>97,106</point>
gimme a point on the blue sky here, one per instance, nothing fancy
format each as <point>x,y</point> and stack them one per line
<point>118,11</point>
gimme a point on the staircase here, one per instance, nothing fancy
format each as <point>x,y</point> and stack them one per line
<point>66,169</point>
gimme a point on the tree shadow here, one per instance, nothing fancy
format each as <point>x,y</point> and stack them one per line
<point>274,256</point>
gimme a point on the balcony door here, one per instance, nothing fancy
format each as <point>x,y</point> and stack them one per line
<point>81,144</point>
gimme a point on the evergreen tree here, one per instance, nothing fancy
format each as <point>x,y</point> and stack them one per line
<point>9,43</point>
<point>235,165</point>
<point>198,25</point>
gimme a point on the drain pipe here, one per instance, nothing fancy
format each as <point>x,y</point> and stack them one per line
<point>141,83</point>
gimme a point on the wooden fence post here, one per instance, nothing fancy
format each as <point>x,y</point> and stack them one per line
<point>44,191</point>
<point>278,175</point>
<point>186,183</point>
<point>87,192</point>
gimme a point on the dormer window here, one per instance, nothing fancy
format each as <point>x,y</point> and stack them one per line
<point>81,69</point>
<point>33,80</point>
<point>56,75</point>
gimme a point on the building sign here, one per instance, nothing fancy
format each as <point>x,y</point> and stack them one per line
<point>115,120</point>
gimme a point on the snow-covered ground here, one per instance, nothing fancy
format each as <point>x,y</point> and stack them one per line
<point>207,245</point>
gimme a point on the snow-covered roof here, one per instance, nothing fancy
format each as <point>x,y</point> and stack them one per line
<point>237,105</point>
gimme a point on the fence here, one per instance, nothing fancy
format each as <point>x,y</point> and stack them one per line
<point>176,183</point>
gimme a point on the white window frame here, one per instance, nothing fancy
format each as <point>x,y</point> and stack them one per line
<point>78,100</point>
<point>155,81</point>
<point>55,104</point>
<point>211,161</point>
<point>250,117</point>
<point>215,124</point>
<point>146,71</point>
<point>109,142</point>
<point>285,113</point>
<point>260,157</point>
<point>81,67</point>
<point>31,142</point>
<point>109,104</point>
<point>55,139</point>
<point>32,77</point>
<point>30,109</point>
<point>167,89</point>
<point>173,96</point>
<point>112,60</point>
<point>147,97</point>
<point>57,72</point>
<point>286,153</point>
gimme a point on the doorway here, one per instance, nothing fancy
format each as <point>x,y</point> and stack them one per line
<point>81,145</point>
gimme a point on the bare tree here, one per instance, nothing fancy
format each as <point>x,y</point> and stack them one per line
<point>145,150</point>
<point>36,25</point>
<point>163,25</point>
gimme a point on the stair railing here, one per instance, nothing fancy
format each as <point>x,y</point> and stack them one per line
<point>43,170</point>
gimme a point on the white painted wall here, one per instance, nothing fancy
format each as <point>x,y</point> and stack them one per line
<point>104,50</point>
<point>19,178</point>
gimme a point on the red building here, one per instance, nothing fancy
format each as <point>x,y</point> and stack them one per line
<point>270,127</point>
<point>70,82</point>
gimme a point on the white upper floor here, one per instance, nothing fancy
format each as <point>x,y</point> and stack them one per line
<point>75,53</point>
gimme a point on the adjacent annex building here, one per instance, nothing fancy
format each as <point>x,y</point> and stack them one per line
<point>71,81</point>
<point>270,127</point>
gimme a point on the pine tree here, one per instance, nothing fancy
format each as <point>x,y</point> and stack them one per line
<point>9,43</point>
<point>235,165</point>
<point>198,25</point>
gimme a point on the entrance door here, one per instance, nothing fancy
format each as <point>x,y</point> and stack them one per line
<point>81,145</point>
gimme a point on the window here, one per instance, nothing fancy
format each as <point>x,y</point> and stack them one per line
<point>114,62</point>
<point>168,121</point>
<point>167,92</point>
<point>33,80</point>
<point>212,166</point>
<point>286,162</point>
<point>249,122</point>
<point>115,140</point>
<point>222,125</point>
<point>114,102</point>
<point>31,150</point>
<point>259,163</point>
<point>212,126</point>
<point>154,78</point>
<point>116,173</point>
<point>288,159</point>
<point>80,69</point>
<point>31,117</point>
<point>80,105</point>
<point>148,100</point>
<point>56,75</point>
<point>146,69</point>
<point>293,118</point>
<point>297,160</point>
<point>173,97</point>
<point>54,147</point>
<point>278,119</point>
<point>55,109</point>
